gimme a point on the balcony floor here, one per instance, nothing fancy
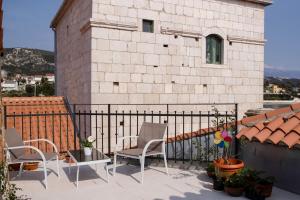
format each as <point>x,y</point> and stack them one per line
<point>179,185</point>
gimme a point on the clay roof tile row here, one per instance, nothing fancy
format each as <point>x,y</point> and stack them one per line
<point>49,125</point>
<point>280,127</point>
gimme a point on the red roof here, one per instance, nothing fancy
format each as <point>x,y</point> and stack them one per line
<point>279,127</point>
<point>56,128</point>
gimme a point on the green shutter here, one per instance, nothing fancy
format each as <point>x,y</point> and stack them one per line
<point>214,49</point>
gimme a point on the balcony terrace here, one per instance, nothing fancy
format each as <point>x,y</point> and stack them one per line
<point>181,184</point>
<point>189,137</point>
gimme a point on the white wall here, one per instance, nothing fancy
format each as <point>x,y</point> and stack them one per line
<point>129,56</point>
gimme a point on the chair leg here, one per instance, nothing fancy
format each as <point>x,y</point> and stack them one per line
<point>21,169</point>
<point>115,164</point>
<point>106,168</point>
<point>166,164</point>
<point>45,174</point>
<point>77,176</point>
<point>142,161</point>
<point>57,165</point>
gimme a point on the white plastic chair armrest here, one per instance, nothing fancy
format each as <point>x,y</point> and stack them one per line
<point>121,140</point>
<point>44,140</point>
<point>149,143</point>
<point>29,147</point>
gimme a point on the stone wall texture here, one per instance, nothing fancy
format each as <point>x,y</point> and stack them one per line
<point>104,57</point>
<point>73,54</point>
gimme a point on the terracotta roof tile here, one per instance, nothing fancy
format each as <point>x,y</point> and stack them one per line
<point>280,126</point>
<point>263,135</point>
<point>295,107</point>
<point>242,131</point>
<point>276,137</point>
<point>278,112</point>
<point>291,139</point>
<point>250,133</point>
<point>289,125</point>
<point>57,128</point>
<point>250,120</point>
<point>297,115</point>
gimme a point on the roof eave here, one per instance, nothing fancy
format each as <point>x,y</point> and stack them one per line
<point>67,3</point>
<point>263,2</point>
<point>60,13</point>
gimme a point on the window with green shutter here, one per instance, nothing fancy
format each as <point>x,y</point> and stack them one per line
<point>214,49</point>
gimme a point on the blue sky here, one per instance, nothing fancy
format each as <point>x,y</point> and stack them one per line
<point>26,24</point>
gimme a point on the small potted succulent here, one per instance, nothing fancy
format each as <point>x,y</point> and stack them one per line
<point>234,185</point>
<point>87,145</point>
<point>210,170</point>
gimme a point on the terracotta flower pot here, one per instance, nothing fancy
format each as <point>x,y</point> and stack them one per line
<point>234,192</point>
<point>68,159</point>
<point>210,174</point>
<point>218,184</point>
<point>264,189</point>
<point>229,167</point>
<point>30,166</point>
<point>253,195</point>
<point>14,167</point>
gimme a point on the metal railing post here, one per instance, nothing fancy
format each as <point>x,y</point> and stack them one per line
<point>236,130</point>
<point>74,125</point>
<point>109,127</point>
<point>5,117</point>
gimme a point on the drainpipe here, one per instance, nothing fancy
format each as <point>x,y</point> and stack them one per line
<point>55,61</point>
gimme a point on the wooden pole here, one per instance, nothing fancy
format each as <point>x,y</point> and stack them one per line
<point>1,103</point>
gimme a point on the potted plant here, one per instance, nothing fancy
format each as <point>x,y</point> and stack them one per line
<point>251,176</point>
<point>14,167</point>
<point>210,170</point>
<point>30,166</point>
<point>264,186</point>
<point>256,186</point>
<point>87,145</point>
<point>226,165</point>
<point>218,183</point>
<point>234,185</point>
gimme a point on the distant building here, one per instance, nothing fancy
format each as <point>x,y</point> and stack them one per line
<point>296,89</point>
<point>10,85</point>
<point>50,77</point>
<point>275,89</point>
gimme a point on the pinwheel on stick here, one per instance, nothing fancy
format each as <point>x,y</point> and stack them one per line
<point>223,140</point>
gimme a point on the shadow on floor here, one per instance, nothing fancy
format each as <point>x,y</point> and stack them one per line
<point>29,176</point>
<point>85,173</point>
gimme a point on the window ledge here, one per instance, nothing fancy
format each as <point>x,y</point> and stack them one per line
<point>217,66</point>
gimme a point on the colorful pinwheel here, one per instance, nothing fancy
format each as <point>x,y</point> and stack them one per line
<point>222,139</point>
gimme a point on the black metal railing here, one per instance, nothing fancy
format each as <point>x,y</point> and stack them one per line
<point>108,122</point>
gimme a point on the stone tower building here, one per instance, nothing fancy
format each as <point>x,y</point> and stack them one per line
<point>161,51</point>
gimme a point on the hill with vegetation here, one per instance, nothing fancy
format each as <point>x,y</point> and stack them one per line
<point>28,61</point>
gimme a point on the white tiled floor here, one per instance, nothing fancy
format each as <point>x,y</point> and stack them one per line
<point>179,185</point>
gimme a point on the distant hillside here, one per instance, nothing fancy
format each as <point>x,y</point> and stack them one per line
<point>287,83</point>
<point>28,61</point>
<point>282,73</point>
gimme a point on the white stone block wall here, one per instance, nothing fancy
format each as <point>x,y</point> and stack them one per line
<point>73,54</point>
<point>105,58</point>
<point>148,72</point>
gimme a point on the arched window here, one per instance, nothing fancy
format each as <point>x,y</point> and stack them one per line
<point>214,49</point>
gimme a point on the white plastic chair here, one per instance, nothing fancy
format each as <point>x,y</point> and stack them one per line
<point>15,149</point>
<point>150,142</point>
